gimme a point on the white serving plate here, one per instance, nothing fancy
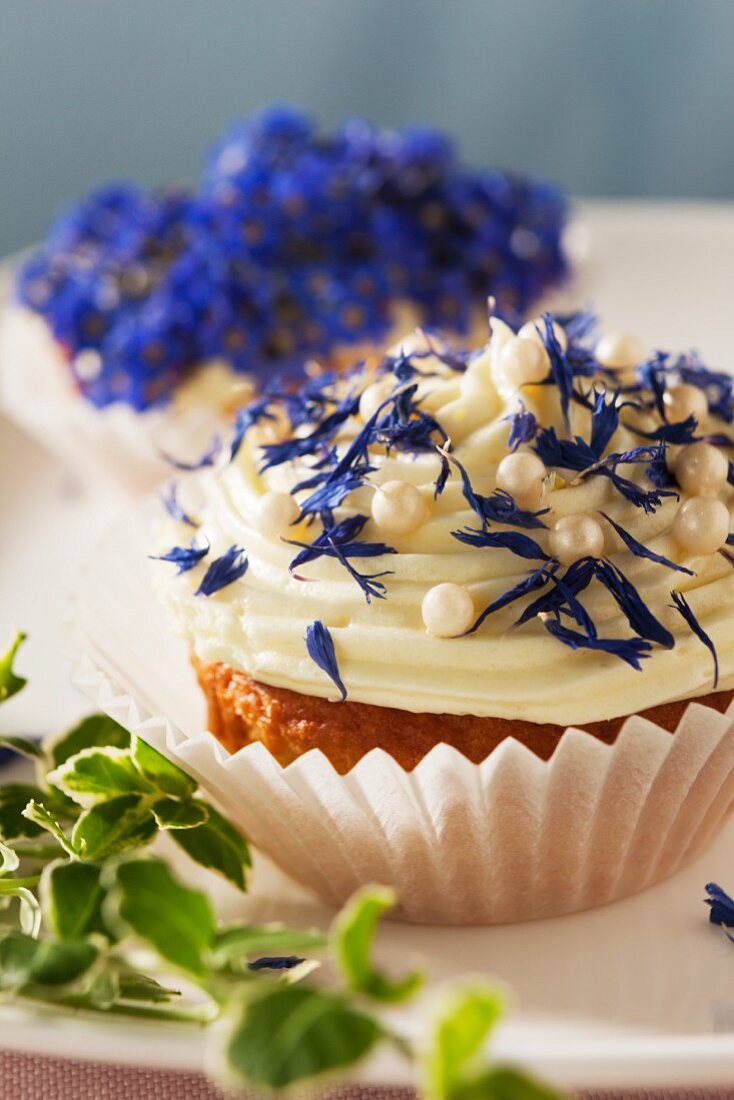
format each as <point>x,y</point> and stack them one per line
<point>640,993</point>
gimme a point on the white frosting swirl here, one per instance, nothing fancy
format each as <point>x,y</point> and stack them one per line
<point>385,655</point>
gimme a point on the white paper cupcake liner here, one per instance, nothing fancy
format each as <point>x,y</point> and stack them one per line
<point>510,839</point>
<point>116,445</point>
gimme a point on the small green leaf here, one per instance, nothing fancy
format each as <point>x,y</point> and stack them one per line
<point>29,911</point>
<point>242,942</point>
<point>505,1084</point>
<point>72,899</point>
<point>161,772</point>
<point>97,731</point>
<point>59,962</point>
<point>9,859</point>
<point>39,815</point>
<point>14,797</point>
<point>452,1058</point>
<point>23,746</point>
<point>10,684</point>
<point>354,933</point>
<point>113,827</point>
<point>44,962</point>
<point>17,952</point>
<point>177,921</point>
<point>133,986</point>
<point>97,775</point>
<point>217,845</point>
<point>172,814</point>
<point>291,1033</point>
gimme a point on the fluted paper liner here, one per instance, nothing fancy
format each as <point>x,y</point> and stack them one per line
<point>116,444</point>
<point>512,838</point>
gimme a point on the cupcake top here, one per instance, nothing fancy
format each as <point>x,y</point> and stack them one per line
<point>536,530</point>
<point>294,242</point>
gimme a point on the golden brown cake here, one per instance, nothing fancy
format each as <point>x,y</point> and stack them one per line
<point>241,710</point>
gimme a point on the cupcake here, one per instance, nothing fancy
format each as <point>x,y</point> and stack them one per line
<point>144,316</point>
<point>519,553</point>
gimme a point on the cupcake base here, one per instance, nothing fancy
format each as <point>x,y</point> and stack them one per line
<point>512,838</point>
<point>242,710</point>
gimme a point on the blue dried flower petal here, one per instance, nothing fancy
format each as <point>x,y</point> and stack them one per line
<point>223,571</point>
<point>174,509</point>
<point>678,433</point>
<point>561,369</point>
<point>320,646</point>
<point>721,906</point>
<point>209,457</point>
<point>562,599</point>
<point>247,418</point>
<point>653,376</point>
<point>521,545</point>
<point>683,607</point>
<point>498,508</point>
<point>184,557</point>
<point>631,604</point>
<point>642,551</point>
<point>276,962</point>
<point>339,541</point>
<point>538,578</point>
<point>629,650</point>
<point>604,420</point>
<point>523,428</point>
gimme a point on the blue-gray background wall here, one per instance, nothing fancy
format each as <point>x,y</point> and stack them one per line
<point>609,97</point>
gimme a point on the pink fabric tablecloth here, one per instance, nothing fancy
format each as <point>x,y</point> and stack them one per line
<point>27,1077</point>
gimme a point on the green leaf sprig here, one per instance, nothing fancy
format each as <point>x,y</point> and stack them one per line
<point>72,855</point>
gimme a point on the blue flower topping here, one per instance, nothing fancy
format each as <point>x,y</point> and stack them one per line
<point>209,457</point>
<point>223,571</point>
<point>293,242</point>
<point>641,551</point>
<point>184,557</point>
<point>500,507</point>
<point>276,962</point>
<point>320,646</point>
<point>174,509</point>
<point>684,608</point>
<point>721,906</point>
<point>523,427</point>
<point>340,541</point>
<point>630,650</point>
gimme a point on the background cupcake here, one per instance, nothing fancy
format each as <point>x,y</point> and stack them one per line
<point>143,315</point>
<point>521,546</point>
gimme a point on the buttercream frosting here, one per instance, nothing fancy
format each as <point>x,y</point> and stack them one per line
<point>386,657</point>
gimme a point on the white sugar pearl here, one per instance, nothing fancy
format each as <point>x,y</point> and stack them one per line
<point>684,401</point>
<point>374,396</point>
<point>701,525</point>
<point>620,351</point>
<point>522,362</point>
<point>535,330</point>
<point>275,512</point>
<point>448,610</point>
<point>576,536</point>
<point>522,475</point>
<point>701,469</point>
<point>399,508</point>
